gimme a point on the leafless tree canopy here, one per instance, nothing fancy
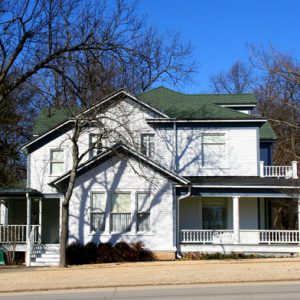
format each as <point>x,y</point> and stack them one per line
<point>235,81</point>
<point>65,53</point>
<point>71,45</point>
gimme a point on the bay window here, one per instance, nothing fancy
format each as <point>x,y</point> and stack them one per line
<point>98,212</point>
<point>120,217</point>
<point>143,212</point>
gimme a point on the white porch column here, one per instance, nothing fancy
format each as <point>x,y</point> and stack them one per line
<point>3,212</point>
<point>299,218</point>
<point>28,226</point>
<point>236,219</point>
<point>294,166</point>
<point>40,219</point>
<point>261,169</point>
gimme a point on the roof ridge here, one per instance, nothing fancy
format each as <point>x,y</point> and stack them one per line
<point>196,94</point>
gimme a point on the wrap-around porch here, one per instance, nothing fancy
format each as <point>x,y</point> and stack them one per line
<point>247,223</point>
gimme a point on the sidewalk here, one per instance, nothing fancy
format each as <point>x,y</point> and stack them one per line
<point>150,273</point>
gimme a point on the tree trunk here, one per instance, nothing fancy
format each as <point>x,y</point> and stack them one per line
<point>64,234</point>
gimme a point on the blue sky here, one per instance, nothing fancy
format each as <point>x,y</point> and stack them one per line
<point>220,30</point>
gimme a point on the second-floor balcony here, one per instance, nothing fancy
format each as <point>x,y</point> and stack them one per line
<point>279,171</point>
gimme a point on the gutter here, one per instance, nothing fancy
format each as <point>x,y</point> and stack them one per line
<point>188,194</point>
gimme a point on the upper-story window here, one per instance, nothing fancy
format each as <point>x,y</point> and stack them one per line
<point>56,161</point>
<point>213,149</point>
<point>95,145</point>
<point>147,144</point>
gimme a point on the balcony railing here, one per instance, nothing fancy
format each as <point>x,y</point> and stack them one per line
<point>16,234</point>
<point>279,171</point>
<point>245,236</point>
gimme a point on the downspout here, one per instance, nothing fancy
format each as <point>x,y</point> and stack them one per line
<point>188,194</point>
<point>175,163</point>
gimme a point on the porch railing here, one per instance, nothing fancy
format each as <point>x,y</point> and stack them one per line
<point>245,236</point>
<point>206,236</point>
<point>17,234</point>
<point>279,171</point>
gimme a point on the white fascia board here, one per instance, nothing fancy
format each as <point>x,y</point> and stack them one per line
<point>244,186</point>
<point>205,121</point>
<point>237,105</point>
<point>45,134</point>
<point>129,96</point>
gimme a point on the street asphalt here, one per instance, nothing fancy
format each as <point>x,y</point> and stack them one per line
<point>257,291</point>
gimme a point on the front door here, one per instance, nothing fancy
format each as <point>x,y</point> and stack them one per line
<point>50,220</point>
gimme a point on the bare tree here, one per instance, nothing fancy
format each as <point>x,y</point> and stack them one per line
<point>278,94</point>
<point>51,38</point>
<point>238,79</point>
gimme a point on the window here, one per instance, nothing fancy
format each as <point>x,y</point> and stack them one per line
<point>143,212</point>
<point>96,146</point>
<point>56,162</point>
<point>120,212</point>
<point>213,150</point>
<point>214,213</point>
<point>147,144</point>
<point>98,212</point>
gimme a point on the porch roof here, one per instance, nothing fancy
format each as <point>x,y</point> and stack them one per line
<point>243,186</point>
<point>18,191</point>
<point>243,181</point>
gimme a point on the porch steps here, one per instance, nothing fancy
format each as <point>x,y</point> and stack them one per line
<point>46,255</point>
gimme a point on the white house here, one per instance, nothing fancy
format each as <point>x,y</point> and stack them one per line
<point>198,177</point>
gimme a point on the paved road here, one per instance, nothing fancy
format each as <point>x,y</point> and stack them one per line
<point>274,291</point>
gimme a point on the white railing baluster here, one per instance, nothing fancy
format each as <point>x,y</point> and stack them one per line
<point>16,233</point>
<point>279,171</point>
<point>203,236</point>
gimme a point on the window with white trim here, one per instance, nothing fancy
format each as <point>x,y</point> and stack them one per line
<point>56,161</point>
<point>147,144</point>
<point>214,213</point>
<point>120,217</point>
<point>143,212</point>
<point>96,146</point>
<point>98,204</point>
<point>213,150</point>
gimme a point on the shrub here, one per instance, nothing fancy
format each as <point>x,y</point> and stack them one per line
<point>142,253</point>
<point>89,253</point>
<point>124,252</point>
<point>105,253</point>
<point>217,255</point>
<point>75,253</point>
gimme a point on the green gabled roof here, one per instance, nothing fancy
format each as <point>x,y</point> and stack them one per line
<point>171,103</point>
<point>50,118</point>
<point>198,106</point>
<point>266,132</point>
